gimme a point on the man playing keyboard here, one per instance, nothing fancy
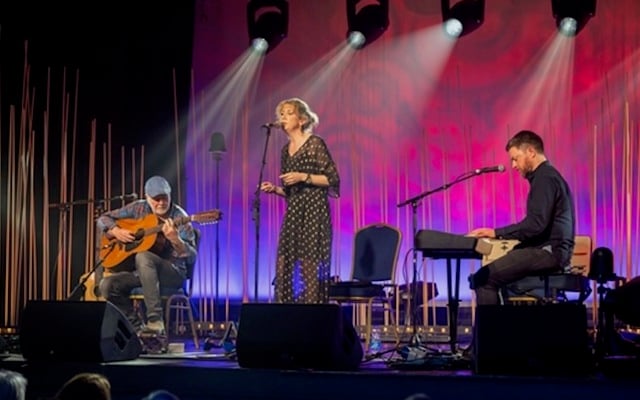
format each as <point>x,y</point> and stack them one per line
<point>546,233</point>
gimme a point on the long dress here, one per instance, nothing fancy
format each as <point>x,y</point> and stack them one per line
<point>304,249</point>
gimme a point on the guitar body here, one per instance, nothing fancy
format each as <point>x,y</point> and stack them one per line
<point>113,252</point>
<point>90,288</point>
<point>148,236</point>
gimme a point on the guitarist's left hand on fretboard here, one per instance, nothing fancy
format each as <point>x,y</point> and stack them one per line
<point>170,230</point>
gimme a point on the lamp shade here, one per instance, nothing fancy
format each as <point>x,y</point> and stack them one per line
<point>217,143</point>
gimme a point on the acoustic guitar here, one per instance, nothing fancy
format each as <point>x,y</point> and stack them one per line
<point>112,252</point>
<point>90,286</point>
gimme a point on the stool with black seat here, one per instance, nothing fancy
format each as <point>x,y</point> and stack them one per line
<point>176,301</point>
<point>553,287</point>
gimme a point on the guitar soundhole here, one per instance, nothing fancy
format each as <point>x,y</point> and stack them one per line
<point>139,234</point>
<point>132,245</point>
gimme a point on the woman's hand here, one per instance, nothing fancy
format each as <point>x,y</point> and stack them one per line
<point>291,178</point>
<point>268,187</point>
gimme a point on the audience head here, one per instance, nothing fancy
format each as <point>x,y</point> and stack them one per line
<point>161,395</point>
<point>417,396</point>
<point>13,385</point>
<point>85,386</point>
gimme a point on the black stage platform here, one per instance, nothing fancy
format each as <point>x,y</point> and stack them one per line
<point>527,353</point>
<point>210,375</point>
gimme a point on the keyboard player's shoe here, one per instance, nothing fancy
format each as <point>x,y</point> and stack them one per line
<point>479,278</point>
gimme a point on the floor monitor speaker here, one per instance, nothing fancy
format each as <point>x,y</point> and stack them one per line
<point>547,339</point>
<point>297,336</point>
<point>76,331</point>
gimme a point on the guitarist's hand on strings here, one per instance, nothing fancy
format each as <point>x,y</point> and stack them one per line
<point>122,235</point>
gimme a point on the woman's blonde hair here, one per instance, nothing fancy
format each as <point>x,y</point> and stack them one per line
<point>303,110</point>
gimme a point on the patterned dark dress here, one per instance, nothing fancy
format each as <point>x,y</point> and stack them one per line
<point>304,250</point>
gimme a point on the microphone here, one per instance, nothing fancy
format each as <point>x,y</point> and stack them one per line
<point>125,197</point>
<point>495,168</point>
<point>274,124</point>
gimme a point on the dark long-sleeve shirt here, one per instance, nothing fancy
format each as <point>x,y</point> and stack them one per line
<point>550,219</point>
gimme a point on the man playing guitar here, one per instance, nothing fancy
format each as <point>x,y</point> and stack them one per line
<point>147,243</point>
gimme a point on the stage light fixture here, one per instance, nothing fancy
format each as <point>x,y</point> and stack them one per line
<point>267,22</point>
<point>463,17</point>
<point>572,15</point>
<point>366,24</point>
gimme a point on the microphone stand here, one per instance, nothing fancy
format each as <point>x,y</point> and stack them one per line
<point>256,212</point>
<point>79,289</point>
<point>415,340</point>
<point>217,148</point>
<point>217,156</point>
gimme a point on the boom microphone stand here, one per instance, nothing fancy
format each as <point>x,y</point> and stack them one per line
<point>415,340</point>
<point>78,291</point>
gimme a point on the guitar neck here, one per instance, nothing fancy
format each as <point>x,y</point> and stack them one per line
<point>157,228</point>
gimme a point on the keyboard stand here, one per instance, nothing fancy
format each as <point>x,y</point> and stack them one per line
<point>453,295</point>
<point>444,360</point>
<point>439,245</point>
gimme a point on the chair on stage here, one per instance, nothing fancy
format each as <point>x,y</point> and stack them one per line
<point>177,302</point>
<point>554,287</point>
<point>375,254</point>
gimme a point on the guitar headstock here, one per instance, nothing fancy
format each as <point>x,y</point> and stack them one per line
<point>207,217</point>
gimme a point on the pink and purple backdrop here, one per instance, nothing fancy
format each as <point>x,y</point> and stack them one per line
<point>400,119</point>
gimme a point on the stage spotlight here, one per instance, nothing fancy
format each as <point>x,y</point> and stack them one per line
<point>572,15</point>
<point>368,23</point>
<point>463,18</point>
<point>267,21</point>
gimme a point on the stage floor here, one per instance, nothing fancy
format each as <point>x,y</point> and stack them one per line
<point>195,375</point>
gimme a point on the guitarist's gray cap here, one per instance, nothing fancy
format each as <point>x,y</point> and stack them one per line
<point>156,186</point>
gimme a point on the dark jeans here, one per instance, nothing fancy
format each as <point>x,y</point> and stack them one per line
<point>511,267</point>
<point>151,272</point>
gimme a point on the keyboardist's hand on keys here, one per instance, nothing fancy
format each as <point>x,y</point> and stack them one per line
<point>483,233</point>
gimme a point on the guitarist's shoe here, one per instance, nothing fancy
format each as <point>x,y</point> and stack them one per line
<point>153,338</point>
<point>155,326</point>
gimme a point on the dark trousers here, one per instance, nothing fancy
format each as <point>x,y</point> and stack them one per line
<point>151,273</point>
<point>511,267</point>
